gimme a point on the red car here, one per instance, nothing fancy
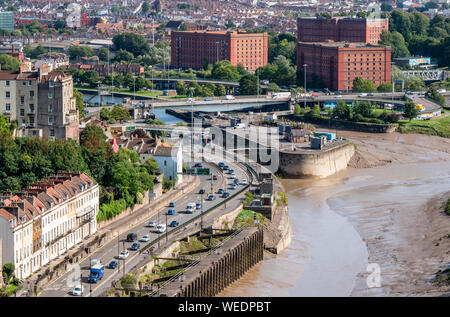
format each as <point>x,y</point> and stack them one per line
<point>215,177</point>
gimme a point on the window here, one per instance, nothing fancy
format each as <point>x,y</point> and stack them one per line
<point>52,132</point>
<point>50,95</point>
<point>51,83</point>
<point>8,94</point>
<point>22,112</point>
<point>7,83</point>
<point>50,120</point>
<point>22,100</point>
<point>50,108</point>
<point>32,93</point>
<point>31,107</point>
<point>8,107</point>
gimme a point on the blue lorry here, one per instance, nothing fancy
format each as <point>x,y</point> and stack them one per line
<point>96,273</point>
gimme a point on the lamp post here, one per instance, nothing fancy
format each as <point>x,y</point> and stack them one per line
<point>166,228</point>
<point>192,123</point>
<point>392,80</point>
<point>304,83</point>
<point>201,214</point>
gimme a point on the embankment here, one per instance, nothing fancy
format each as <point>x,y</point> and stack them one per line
<point>316,163</point>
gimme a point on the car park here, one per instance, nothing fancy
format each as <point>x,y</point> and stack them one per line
<point>171,212</point>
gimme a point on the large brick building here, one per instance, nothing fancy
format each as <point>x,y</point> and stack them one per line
<point>193,48</point>
<point>341,29</point>
<point>339,63</point>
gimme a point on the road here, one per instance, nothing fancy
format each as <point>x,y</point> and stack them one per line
<point>65,284</point>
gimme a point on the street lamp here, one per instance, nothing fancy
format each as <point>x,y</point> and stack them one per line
<point>304,82</point>
<point>192,123</point>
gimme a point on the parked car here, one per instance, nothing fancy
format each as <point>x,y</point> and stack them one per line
<point>220,191</point>
<point>124,254</point>
<point>236,181</point>
<point>231,171</point>
<point>152,224</point>
<point>145,238</point>
<point>78,290</point>
<point>198,165</point>
<point>172,204</point>
<point>370,95</point>
<point>225,195</point>
<point>208,99</point>
<point>201,191</point>
<point>221,164</point>
<point>171,212</point>
<point>214,177</point>
<point>112,264</point>
<point>244,182</point>
<point>211,197</point>
<point>362,94</point>
<point>198,205</point>
<point>338,96</point>
<point>174,223</point>
<point>135,246</point>
<point>233,186</point>
<point>131,237</point>
<point>226,167</point>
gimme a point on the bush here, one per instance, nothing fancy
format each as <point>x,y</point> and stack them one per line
<point>447,207</point>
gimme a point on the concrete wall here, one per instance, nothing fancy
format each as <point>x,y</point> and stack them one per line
<point>322,164</point>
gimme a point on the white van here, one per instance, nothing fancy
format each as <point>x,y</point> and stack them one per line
<point>190,208</point>
<point>160,228</point>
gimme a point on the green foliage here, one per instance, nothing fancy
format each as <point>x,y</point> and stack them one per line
<point>5,127</point>
<point>282,200</point>
<point>79,51</point>
<point>297,110</point>
<point>280,71</point>
<point>447,207</point>
<point>433,94</point>
<point>224,70</point>
<point>79,103</point>
<point>123,56</point>
<point>284,44</point>
<point>131,42</point>
<point>8,271</point>
<point>410,110</point>
<point>363,108</point>
<point>155,122</point>
<point>128,282</point>
<point>363,85</point>
<point>385,87</point>
<point>120,113</point>
<point>9,63</point>
<point>249,197</point>
<point>220,90</point>
<point>342,111</point>
<point>247,218</point>
<point>248,85</point>
<point>103,54</point>
<point>167,184</point>
<point>34,53</point>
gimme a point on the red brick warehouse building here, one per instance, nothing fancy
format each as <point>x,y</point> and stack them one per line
<point>339,63</point>
<point>341,29</point>
<point>193,48</point>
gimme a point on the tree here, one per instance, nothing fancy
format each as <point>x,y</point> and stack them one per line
<point>103,54</point>
<point>181,88</point>
<point>397,43</point>
<point>90,77</point>
<point>273,87</point>
<point>433,94</point>
<point>342,111</point>
<point>410,110</point>
<point>385,87</point>
<point>297,110</point>
<point>79,103</point>
<point>151,165</point>
<point>131,42</point>
<point>248,85</point>
<point>80,51</point>
<point>105,114</point>
<point>363,108</point>
<point>120,113</point>
<point>9,63</point>
<point>124,56</point>
<point>220,90</point>
<point>224,70</point>
<point>8,270</point>
<point>363,85</point>
<point>4,125</point>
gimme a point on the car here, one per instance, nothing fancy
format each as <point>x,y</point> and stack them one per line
<point>198,165</point>
<point>145,238</point>
<point>152,224</point>
<point>233,176</point>
<point>131,237</point>
<point>221,164</point>
<point>225,195</point>
<point>198,205</point>
<point>124,254</point>
<point>207,99</point>
<point>362,94</point>
<point>78,290</point>
<point>172,204</point>
<point>95,262</point>
<point>233,186</point>
<point>135,246</point>
<point>211,197</point>
<point>112,264</point>
<point>201,191</point>
<point>171,212</point>
<point>174,223</point>
<point>220,191</point>
<point>214,177</point>
<point>231,171</point>
<point>161,228</point>
<point>226,167</point>
<point>370,95</point>
<point>236,181</point>
<point>338,96</point>
<point>244,182</point>
<point>314,95</point>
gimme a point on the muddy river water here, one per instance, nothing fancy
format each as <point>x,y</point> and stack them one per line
<point>378,216</point>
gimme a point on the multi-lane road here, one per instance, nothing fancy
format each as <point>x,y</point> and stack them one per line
<point>64,285</point>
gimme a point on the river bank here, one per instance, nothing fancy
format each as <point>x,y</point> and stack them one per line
<point>384,210</point>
